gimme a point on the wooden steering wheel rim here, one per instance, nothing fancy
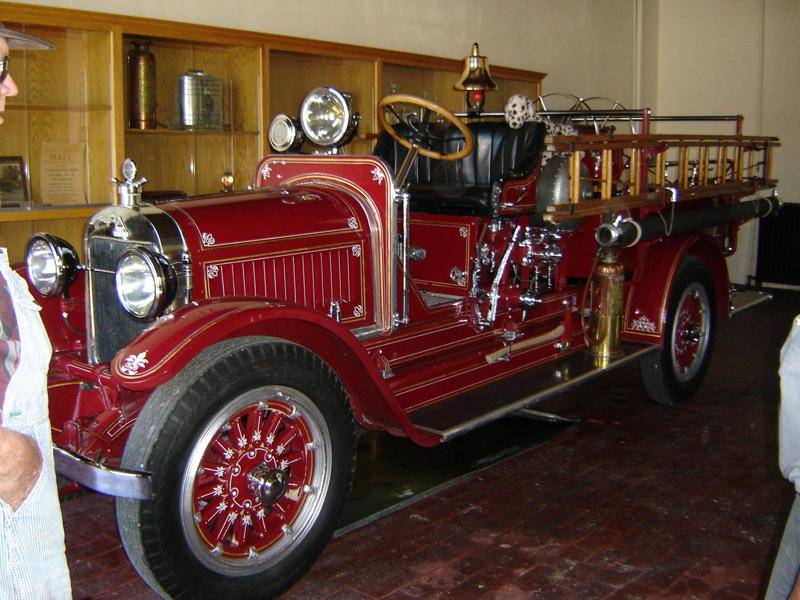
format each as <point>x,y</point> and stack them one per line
<point>422,102</point>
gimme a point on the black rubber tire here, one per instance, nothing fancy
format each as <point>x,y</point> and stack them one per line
<point>676,372</point>
<point>182,425</point>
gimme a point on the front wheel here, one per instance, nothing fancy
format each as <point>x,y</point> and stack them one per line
<point>252,450</point>
<point>675,373</point>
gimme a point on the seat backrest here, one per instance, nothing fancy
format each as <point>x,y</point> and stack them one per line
<point>499,151</point>
<point>394,153</point>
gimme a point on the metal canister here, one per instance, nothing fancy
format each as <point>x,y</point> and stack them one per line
<point>607,299</point>
<point>199,99</point>
<point>142,86</point>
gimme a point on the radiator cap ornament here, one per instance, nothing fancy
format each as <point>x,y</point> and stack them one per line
<point>128,190</point>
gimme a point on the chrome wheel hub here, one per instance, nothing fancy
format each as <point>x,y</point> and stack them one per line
<point>268,484</point>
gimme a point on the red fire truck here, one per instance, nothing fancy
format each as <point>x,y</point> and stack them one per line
<point>213,356</point>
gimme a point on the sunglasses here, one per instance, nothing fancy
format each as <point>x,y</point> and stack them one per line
<point>4,68</point>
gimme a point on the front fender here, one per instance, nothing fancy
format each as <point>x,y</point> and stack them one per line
<point>162,351</point>
<point>646,305</point>
<point>158,353</point>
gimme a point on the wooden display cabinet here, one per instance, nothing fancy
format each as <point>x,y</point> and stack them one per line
<point>76,98</point>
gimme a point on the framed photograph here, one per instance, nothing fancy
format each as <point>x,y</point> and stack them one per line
<point>13,182</point>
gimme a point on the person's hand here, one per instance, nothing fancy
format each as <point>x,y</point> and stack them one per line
<point>20,465</point>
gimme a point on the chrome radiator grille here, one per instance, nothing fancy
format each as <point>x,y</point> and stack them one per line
<point>110,327</point>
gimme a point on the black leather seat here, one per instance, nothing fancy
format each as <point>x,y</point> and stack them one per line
<point>469,186</point>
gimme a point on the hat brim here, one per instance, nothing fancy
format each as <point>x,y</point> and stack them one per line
<point>22,41</point>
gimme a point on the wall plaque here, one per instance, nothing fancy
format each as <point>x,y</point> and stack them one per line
<point>63,173</point>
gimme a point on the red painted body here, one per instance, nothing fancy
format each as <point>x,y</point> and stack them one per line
<point>210,352</point>
<point>323,230</point>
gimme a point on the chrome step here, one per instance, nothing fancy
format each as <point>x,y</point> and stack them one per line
<point>461,414</point>
<point>741,299</point>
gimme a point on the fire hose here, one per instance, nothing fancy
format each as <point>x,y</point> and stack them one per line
<point>629,232</point>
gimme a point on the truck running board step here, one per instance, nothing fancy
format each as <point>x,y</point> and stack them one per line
<point>461,414</point>
<point>742,299</point>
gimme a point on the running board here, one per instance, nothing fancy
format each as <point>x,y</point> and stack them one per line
<point>740,299</point>
<point>461,414</point>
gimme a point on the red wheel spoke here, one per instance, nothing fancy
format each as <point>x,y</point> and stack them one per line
<point>209,491</point>
<point>223,526</point>
<point>283,440</point>
<point>271,427</point>
<point>278,511</point>
<point>212,469</point>
<point>241,529</point>
<point>255,418</point>
<point>288,459</point>
<point>224,448</point>
<point>260,519</point>
<point>212,511</point>
<point>237,435</point>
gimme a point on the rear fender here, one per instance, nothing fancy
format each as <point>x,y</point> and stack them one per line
<point>159,353</point>
<point>646,304</point>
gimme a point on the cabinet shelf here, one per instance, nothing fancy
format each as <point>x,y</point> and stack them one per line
<point>46,213</point>
<point>59,107</point>
<point>167,131</point>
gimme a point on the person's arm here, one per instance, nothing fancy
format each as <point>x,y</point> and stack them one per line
<point>20,465</point>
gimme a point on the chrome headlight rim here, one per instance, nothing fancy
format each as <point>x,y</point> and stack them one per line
<point>340,122</point>
<point>63,264</point>
<point>286,134</point>
<point>161,279</point>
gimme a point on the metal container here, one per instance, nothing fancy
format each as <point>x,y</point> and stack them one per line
<point>199,100</point>
<point>605,341</point>
<point>142,86</point>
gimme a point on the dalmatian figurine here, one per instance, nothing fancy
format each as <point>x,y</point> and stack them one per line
<point>521,109</point>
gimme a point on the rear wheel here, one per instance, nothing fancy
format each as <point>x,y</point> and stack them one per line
<point>675,373</point>
<point>251,449</point>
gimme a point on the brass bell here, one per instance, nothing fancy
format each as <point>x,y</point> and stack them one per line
<point>475,80</point>
<point>476,73</point>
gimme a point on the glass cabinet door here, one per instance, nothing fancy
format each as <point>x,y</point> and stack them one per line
<point>60,124</point>
<point>190,155</point>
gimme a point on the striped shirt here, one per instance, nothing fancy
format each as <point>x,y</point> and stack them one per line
<point>9,341</point>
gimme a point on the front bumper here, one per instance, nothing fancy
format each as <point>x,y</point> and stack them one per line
<point>101,478</point>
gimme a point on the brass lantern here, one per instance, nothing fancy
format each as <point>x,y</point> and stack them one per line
<point>475,80</point>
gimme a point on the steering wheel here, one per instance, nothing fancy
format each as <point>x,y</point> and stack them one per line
<point>421,126</point>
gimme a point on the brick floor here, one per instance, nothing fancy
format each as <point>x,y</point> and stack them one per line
<point>637,501</point>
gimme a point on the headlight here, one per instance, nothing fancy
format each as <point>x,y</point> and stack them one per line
<point>146,283</point>
<point>326,117</point>
<point>52,264</point>
<point>285,134</point>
